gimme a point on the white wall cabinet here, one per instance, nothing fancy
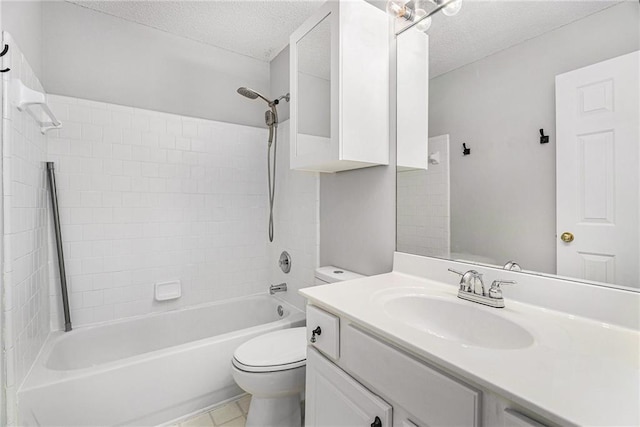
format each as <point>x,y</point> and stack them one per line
<point>339,83</point>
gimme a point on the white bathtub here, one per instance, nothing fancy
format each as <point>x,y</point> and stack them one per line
<point>147,370</point>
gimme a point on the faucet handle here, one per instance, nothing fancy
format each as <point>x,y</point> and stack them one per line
<point>462,279</point>
<point>469,280</point>
<point>495,291</point>
<point>512,266</point>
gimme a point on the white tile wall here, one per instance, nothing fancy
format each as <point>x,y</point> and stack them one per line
<point>424,207</point>
<point>296,217</point>
<point>25,246</point>
<point>148,197</point>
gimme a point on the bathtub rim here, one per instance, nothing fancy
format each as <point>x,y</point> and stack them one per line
<point>41,376</point>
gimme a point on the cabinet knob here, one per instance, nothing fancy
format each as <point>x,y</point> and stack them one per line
<point>377,422</point>
<point>316,331</point>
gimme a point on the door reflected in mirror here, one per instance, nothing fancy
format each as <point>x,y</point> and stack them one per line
<point>515,194</point>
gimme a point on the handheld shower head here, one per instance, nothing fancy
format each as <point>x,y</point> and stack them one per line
<point>252,94</point>
<point>271,119</point>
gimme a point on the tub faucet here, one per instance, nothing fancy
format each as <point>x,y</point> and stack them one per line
<point>282,287</point>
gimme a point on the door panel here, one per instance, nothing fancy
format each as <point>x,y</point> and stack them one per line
<point>597,157</point>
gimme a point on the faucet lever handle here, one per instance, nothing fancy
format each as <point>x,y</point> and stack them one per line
<point>495,291</point>
<point>469,280</point>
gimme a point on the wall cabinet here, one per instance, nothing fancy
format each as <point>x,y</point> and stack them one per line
<point>339,84</point>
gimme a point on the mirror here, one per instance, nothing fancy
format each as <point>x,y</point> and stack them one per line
<point>314,81</point>
<point>493,88</point>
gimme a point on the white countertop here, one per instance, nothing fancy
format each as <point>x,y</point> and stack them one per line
<point>578,371</point>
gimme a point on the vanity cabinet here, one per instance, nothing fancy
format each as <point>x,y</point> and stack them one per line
<point>339,84</point>
<point>374,383</point>
<point>333,398</point>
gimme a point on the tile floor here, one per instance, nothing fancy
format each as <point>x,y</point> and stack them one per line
<point>232,414</point>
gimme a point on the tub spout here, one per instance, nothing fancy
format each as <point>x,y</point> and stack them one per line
<point>282,287</point>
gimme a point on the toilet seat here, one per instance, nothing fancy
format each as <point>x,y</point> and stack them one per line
<point>272,352</point>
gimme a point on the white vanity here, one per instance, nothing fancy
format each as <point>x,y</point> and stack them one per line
<point>402,349</point>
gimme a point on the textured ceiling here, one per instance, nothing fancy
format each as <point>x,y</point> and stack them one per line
<point>260,29</point>
<point>482,28</point>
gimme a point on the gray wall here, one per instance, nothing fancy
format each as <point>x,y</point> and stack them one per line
<point>23,19</point>
<point>503,194</point>
<point>93,55</point>
<point>357,218</point>
<point>279,72</point>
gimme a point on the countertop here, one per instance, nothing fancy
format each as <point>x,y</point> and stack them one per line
<point>577,371</point>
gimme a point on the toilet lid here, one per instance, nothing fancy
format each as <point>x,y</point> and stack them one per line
<point>273,351</point>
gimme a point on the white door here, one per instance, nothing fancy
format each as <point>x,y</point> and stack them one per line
<point>598,133</point>
<point>334,399</point>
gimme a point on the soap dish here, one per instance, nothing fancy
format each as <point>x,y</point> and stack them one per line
<point>168,290</point>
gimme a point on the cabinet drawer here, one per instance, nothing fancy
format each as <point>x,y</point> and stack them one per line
<point>328,341</point>
<point>432,397</point>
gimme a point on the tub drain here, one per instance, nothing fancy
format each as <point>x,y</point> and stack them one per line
<point>280,311</point>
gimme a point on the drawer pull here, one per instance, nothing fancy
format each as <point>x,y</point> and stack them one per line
<point>316,331</point>
<point>376,422</point>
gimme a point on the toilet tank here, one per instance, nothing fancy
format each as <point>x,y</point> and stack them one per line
<point>331,274</point>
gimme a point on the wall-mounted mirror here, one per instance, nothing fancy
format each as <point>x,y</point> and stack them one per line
<point>314,81</point>
<point>500,74</point>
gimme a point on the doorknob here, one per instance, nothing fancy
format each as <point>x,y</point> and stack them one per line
<point>566,237</point>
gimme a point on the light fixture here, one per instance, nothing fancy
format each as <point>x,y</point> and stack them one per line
<point>452,7</point>
<point>399,9</point>
<point>419,12</point>
<point>422,24</point>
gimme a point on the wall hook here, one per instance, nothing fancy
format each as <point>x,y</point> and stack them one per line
<point>465,151</point>
<point>543,138</point>
<point>3,53</point>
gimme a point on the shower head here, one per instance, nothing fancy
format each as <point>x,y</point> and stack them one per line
<point>252,94</point>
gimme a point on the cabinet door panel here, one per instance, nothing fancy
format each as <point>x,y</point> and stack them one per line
<point>432,397</point>
<point>334,399</point>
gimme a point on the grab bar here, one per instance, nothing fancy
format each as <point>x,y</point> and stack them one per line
<point>56,223</point>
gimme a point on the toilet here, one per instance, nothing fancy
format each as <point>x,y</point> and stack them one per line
<point>271,367</point>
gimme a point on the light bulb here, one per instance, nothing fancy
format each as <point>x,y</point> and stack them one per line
<point>399,9</point>
<point>425,23</point>
<point>452,8</point>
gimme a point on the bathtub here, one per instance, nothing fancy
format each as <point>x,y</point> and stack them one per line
<point>147,370</point>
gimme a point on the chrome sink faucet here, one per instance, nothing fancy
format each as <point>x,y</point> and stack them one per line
<point>472,289</point>
<point>471,281</point>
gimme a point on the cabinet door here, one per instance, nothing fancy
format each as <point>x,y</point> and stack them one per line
<point>334,399</point>
<point>314,139</point>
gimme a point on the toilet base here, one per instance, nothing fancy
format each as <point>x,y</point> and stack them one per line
<point>275,412</point>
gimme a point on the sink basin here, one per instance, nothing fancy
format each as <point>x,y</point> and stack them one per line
<point>460,322</point>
